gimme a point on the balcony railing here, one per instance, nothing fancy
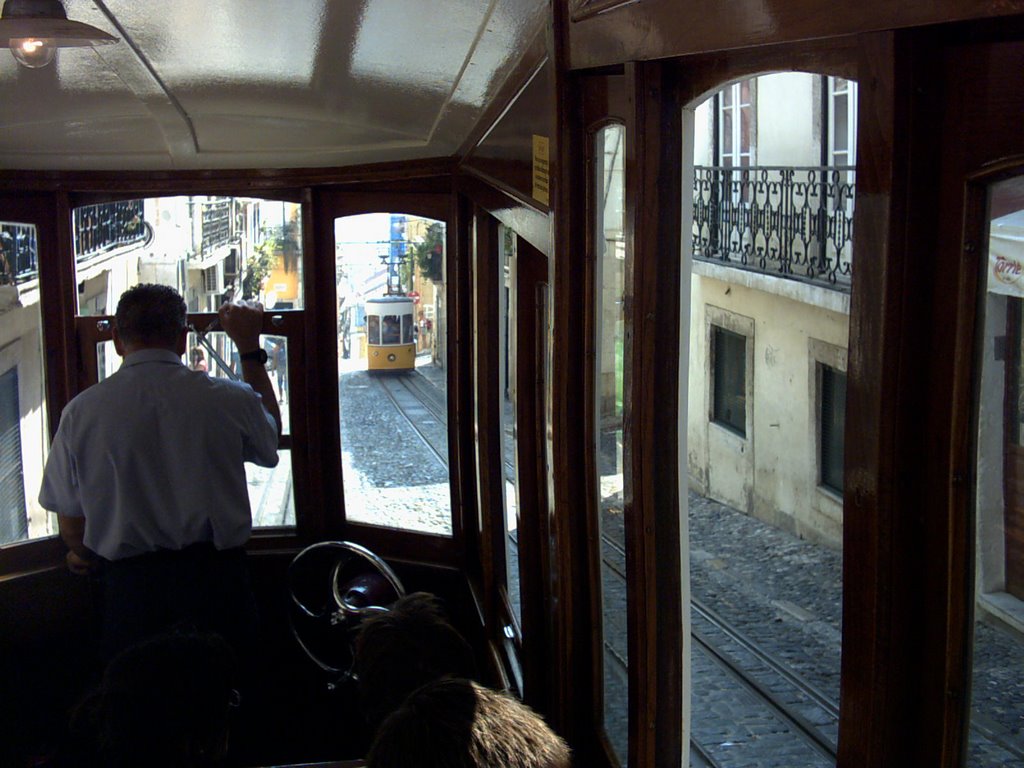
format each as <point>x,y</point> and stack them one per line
<point>216,225</point>
<point>106,226</point>
<point>19,256</point>
<point>789,222</point>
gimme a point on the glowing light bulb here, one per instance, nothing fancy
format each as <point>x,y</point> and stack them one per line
<point>33,52</point>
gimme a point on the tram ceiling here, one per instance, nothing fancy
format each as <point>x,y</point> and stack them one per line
<point>194,84</point>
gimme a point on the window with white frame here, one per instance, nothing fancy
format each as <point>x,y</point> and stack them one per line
<point>736,126</point>
<point>842,121</point>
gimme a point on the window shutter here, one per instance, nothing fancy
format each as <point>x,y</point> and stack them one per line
<point>13,518</point>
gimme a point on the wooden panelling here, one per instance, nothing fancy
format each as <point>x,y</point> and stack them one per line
<point>575,662</point>
<point>531,473</point>
<point>490,465</point>
<point>655,29</point>
<point>522,216</point>
<point>651,437</point>
<point>225,182</point>
<point>700,76</point>
<point>504,155</point>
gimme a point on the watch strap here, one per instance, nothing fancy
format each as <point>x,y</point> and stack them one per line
<point>257,354</point>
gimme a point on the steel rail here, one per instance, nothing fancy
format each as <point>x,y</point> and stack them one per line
<point>442,460</point>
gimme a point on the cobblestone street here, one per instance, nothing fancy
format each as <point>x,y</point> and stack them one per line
<point>786,595</point>
<point>782,593</point>
<point>390,476</point>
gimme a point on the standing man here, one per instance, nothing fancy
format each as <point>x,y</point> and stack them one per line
<point>146,474</point>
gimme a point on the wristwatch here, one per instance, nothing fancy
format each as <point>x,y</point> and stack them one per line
<point>257,354</point>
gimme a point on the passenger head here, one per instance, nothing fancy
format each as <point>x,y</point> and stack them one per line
<point>165,702</point>
<point>453,723</point>
<point>398,651</point>
<point>150,316</point>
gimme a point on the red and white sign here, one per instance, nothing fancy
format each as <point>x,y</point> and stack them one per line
<point>414,296</point>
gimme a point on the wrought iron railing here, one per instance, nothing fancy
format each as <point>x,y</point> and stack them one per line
<point>790,222</point>
<point>106,226</point>
<point>216,224</point>
<point>19,256</point>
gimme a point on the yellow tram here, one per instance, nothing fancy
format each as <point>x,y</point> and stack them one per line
<point>390,335</point>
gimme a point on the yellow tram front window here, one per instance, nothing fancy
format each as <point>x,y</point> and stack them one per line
<point>392,329</point>
<point>392,371</point>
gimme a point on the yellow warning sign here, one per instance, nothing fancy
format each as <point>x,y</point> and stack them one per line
<point>541,189</point>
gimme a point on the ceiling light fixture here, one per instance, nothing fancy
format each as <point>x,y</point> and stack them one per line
<point>35,29</point>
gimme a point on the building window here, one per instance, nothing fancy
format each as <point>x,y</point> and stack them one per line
<point>13,517</point>
<point>736,124</point>
<point>842,121</point>
<point>729,361</point>
<point>832,405</point>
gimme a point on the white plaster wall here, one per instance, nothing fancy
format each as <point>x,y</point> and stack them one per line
<point>775,467</point>
<point>703,141</point>
<point>786,131</point>
<point>989,493</point>
<point>21,346</point>
<point>729,457</point>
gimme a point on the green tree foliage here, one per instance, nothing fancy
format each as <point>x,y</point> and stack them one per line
<point>429,253</point>
<point>280,245</point>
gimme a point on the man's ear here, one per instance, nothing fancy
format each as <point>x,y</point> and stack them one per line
<point>118,344</point>
<point>182,343</point>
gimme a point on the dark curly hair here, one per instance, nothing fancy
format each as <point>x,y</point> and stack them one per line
<point>398,651</point>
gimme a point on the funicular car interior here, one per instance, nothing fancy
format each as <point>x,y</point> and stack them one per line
<point>488,117</point>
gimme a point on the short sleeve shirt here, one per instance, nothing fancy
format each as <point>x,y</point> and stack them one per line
<point>153,458</point>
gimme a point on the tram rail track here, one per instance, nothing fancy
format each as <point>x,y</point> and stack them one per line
<point>772,672</point>
<point>399,393</point>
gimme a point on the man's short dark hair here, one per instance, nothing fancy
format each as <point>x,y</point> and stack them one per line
<point>454,723</point>
<point>398,651</point>
<point>151,315</point>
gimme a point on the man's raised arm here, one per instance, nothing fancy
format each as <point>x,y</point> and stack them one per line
<point>242,323</point>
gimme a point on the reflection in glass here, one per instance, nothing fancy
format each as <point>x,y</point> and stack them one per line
<point>610,260</point>
<point>507,377</point>
<point>996,735</point>
<point>394,424</point>
<point>24,440</point>
<point>209,248</point>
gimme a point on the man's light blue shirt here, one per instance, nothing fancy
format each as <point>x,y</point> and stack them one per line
<point>153,457</point>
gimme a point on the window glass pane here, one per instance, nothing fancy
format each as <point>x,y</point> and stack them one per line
<point>996,736</point>
<point>840,125</point>
<point>394,405</point>
<point>271,494</point>
<point>833,427</point>
<point>208,248</point>
<point>610,260</point>
<point>730,379</point>
<point>24,439</point>
<point>765,428</point>
<point>727,142</point>
<point>507,328</point>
